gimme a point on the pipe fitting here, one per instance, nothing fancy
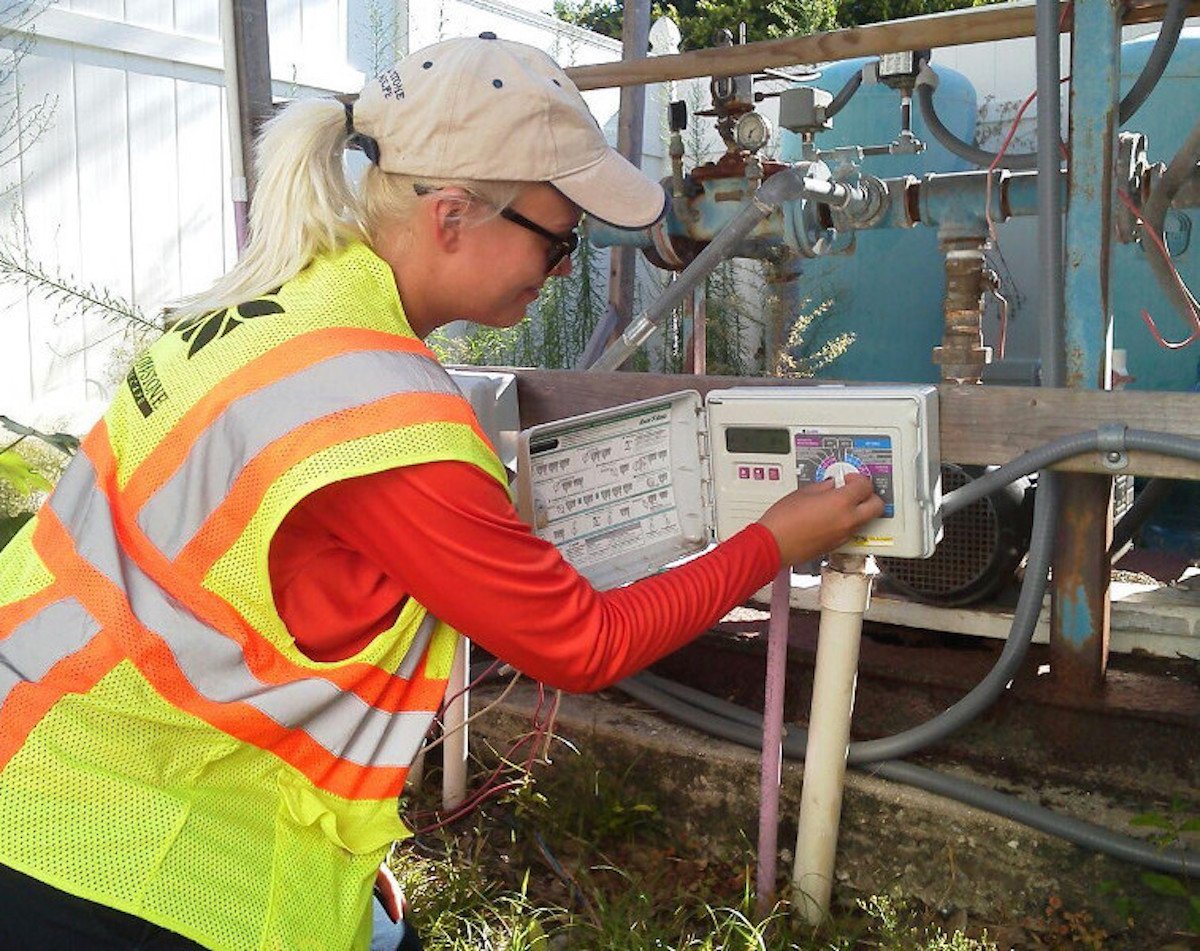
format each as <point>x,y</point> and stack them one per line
<point>962,355</point>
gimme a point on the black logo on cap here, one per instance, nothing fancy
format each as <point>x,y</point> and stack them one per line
<point>391,84</point>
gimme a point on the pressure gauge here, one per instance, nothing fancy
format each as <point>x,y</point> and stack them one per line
<point>752,131</point>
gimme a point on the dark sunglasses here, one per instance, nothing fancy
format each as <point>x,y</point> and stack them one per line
<point>561,245</point>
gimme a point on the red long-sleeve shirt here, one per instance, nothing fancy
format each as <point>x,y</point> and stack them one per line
<point>347,556</point>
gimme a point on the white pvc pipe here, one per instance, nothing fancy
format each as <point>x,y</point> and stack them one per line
<point>454,728</point>
<point>845,595</point>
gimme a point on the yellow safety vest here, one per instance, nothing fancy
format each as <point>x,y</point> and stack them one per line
<point>165,749</point>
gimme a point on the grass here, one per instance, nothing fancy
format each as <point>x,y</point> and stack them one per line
<point>570,860</point>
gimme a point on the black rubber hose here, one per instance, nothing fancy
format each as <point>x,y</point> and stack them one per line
<point>1139,92</point>
<point>1156,62</point>
<point>1144,504</point>
<point>845,94</point>
<point>736,724</point>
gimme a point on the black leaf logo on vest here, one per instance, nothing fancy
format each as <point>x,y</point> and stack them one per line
<point>203,329</point>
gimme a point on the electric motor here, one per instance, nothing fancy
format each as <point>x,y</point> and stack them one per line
<point>981,549</point>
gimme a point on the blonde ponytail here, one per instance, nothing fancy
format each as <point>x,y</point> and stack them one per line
<point>303,205</point>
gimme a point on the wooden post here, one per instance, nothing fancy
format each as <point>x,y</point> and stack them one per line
<point>255,102</point>
<point>635,37</point>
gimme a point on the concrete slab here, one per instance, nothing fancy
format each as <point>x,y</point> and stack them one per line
<point>1160,619</point>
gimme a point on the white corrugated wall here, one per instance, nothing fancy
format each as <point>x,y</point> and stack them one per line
<point>127,188</point>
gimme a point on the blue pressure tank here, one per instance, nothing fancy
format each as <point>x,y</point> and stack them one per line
<point>889,292</point>
<point>1165,118</point>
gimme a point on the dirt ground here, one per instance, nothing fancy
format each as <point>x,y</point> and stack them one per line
<point>974,868</point>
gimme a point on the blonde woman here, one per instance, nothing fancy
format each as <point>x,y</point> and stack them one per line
<point>224,637</point>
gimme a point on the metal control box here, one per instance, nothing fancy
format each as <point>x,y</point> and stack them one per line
<point>626,491</point>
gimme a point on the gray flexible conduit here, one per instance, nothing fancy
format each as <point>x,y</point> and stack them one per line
<point>1139,92</point>
<point>736,724</point>
<point>965,150</point>
<point>1050,244</point>
<point>1156,63</point>
<point>880,756</point>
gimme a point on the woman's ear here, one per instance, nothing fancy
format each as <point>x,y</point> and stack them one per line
<point>448,209</point>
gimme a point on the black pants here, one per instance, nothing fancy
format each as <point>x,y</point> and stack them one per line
<point>36,917</point>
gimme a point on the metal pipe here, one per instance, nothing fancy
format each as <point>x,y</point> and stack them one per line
<point>962,355</point>
<point>953,199</point>
<point>1080,610</point>
<point>787,185</point>
<point>237,166</point>
<point>1050,203</point>
<point>635,33</point>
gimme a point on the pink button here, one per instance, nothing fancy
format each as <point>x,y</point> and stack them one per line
<point>759,473</point>
<point>743,472</point>
<point>772,474</point>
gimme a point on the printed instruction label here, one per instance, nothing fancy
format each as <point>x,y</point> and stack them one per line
<point>605,489</point>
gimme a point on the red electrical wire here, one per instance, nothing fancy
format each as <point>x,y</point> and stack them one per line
<point>987,194</point>
<point>426,821</point>
<point>1156,239</point>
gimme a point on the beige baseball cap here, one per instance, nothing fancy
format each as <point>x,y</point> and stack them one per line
<point>485,109</point>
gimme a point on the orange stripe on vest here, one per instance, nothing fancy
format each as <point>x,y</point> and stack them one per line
<point>280,361</point>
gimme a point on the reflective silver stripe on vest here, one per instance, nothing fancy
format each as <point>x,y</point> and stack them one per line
<point>173,515</point>
<point>54,633</point>
<point>416,650</point>
<point>341,722</point>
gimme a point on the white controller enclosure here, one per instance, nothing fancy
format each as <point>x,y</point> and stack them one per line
<point>625,491</point>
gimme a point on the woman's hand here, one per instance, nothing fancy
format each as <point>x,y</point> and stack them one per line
<point>819,517</point>
<point>387,889</point>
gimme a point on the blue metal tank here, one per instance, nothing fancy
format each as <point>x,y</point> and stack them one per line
<point>888,293</point>
<point>1165,118</point>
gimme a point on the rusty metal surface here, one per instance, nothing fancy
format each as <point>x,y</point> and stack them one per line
<point>1080,609</point>
<point>1079,625</point>
<point>733,165</point>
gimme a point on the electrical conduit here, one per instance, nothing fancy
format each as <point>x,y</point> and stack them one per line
<point>771,766</point>
<point>739,725</point>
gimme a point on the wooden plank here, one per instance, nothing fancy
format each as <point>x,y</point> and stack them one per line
<point>989,425</point>
<point>954,28</point>
<point>980,425</point>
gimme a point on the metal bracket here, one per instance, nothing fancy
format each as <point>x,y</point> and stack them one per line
<point>1111,443</point>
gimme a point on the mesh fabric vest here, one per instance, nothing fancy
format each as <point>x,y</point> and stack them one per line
<point>165,748</point>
